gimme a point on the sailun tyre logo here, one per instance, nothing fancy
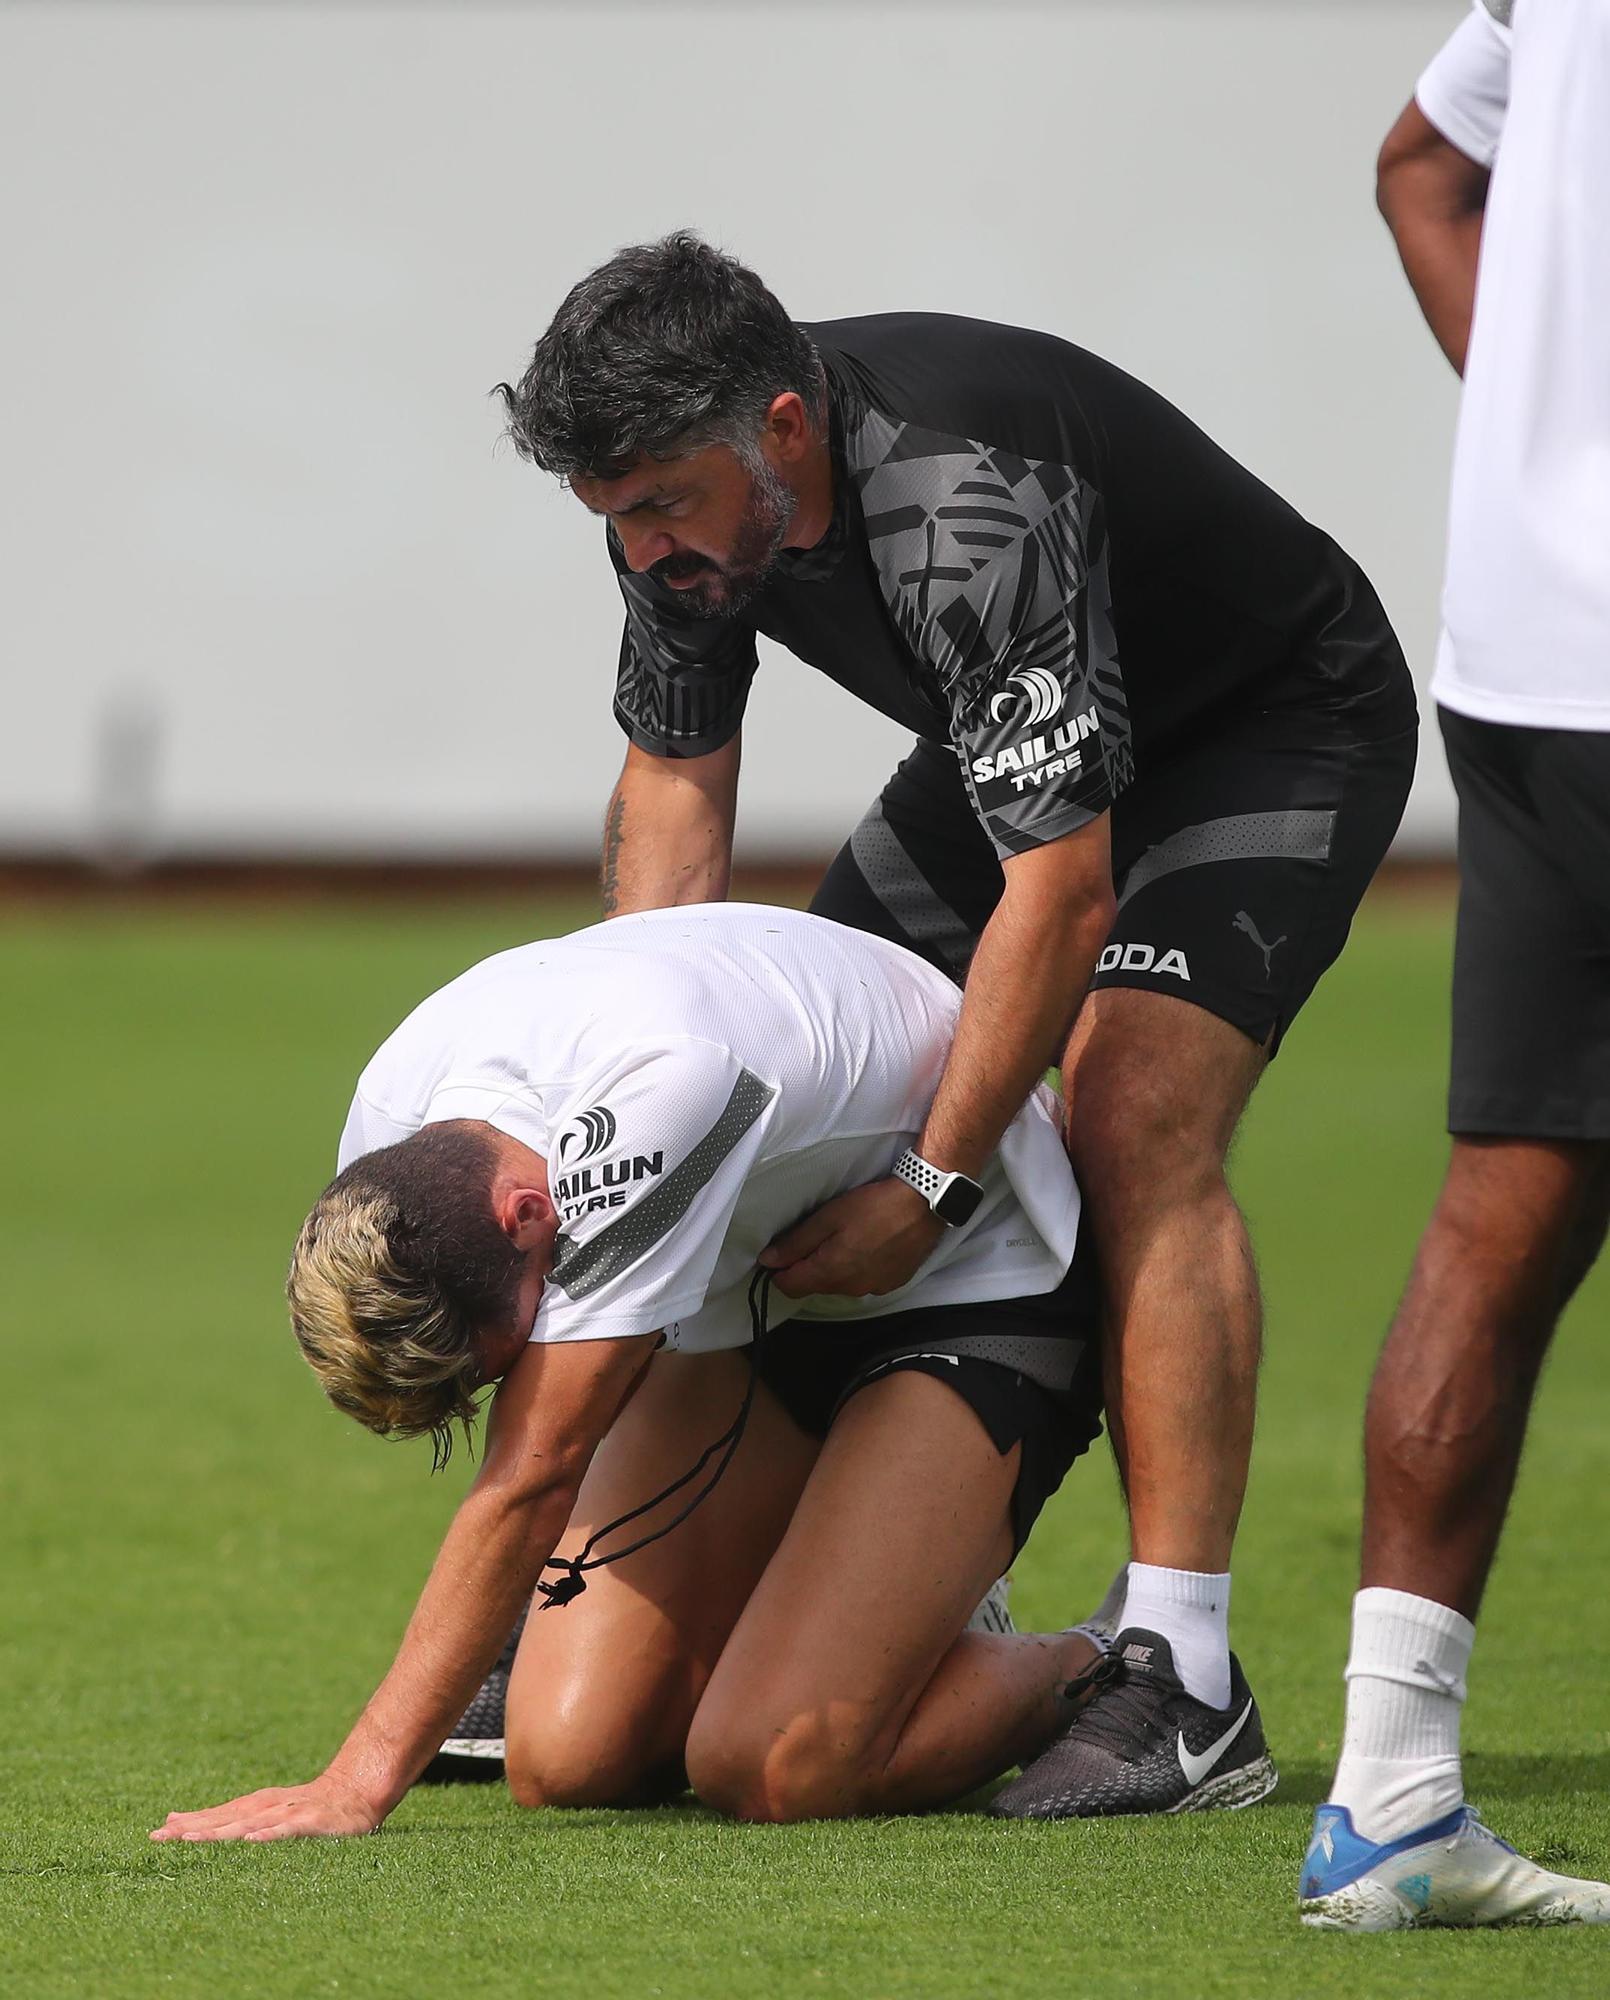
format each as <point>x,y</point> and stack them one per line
<point>585,1137</point>
<point>1039,687</point>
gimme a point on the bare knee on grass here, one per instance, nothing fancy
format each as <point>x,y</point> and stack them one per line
<point>847,1686</point>
<point>579,1768</point>
<point>816,1764</point>
<point>603,1691</point>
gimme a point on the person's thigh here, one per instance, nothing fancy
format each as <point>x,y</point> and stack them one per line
<point>902,1526</point>
<point>1154,1089</point>
<point>1531,987</point>
<point>604,1688</point>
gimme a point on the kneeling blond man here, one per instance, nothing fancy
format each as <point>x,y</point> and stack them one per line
<point>770,1519</point>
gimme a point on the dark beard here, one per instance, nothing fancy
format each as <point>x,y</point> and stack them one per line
<point>761,533</point>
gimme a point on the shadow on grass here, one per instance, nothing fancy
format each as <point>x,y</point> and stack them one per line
<point>448,1772</point>
<point>1507,1774</point>
<point>1490,1776</point>
<point>462,1771</point>
<point>686,1812</point>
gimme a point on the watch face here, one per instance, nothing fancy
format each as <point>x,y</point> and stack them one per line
<point>958,1202</point>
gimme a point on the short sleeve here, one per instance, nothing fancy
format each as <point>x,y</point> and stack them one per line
<point>994,568</point>
<point>646,1166</point>
<point>367,1129</point>
<point>1037,708</point>
<point>1464,91</point>
<point>683,682</point>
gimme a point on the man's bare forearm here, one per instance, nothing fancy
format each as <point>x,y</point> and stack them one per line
<point>486,1569</point>
<point>1028,979</point>
<point>555,1403</point>
<point>1433,199</point>
<point>1439,259</point>
<point>668,832</point>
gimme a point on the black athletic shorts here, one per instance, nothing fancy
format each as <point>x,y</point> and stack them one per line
<point>1531,976</point>
<point>1239,854</point>
<point>1042,1392</point>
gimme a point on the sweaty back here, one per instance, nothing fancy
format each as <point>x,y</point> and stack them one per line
<point>697,1080</point>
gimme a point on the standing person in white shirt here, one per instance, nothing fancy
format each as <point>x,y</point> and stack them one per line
<point>773,1516</point>
<point>1502,159</point>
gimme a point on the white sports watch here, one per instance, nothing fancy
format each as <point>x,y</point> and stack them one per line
<point>952,1197</point>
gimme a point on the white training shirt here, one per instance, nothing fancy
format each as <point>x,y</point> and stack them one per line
<point>698,1080</point>
<point>1526,600</point>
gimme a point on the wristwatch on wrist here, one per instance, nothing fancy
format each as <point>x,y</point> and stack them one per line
<point>952,1197</point>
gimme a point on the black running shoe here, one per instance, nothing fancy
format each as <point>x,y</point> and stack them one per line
<point>478,1736</point>
<point>1141,1744</point>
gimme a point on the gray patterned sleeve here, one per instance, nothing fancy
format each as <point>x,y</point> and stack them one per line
<point>683,682</point>
<point>995,568</point>
<point>1038,713</point>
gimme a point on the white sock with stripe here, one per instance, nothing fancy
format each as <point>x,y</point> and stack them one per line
<point>1399,1768</point>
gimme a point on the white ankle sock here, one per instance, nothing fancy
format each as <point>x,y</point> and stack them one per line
<point>1190,1608</point>
<point>1399,1767</point>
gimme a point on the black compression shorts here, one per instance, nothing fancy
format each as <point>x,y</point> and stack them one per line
<point>814,1368</point>
<point>1239,854</point>
<point>1531,984</point>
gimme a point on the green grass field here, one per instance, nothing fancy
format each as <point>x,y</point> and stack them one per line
<point>206,1569</point>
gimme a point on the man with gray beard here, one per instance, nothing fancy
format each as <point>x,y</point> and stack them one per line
<point>1164,735</point>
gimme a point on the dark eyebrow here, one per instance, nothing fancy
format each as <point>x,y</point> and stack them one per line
<point>655,499</point>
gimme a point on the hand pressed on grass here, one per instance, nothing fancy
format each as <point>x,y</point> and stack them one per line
<point>328,1808</point>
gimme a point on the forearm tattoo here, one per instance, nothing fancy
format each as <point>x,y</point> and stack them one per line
<point>610,873</point>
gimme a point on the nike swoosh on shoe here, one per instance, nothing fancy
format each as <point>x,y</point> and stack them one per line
<point>1197,1767</point>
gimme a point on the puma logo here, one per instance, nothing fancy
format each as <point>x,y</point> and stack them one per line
<point>1242,922</point>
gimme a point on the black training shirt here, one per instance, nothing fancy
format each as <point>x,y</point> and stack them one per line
<point>1032,556</point>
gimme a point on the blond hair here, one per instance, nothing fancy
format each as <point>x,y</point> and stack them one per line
<point>396,1271</point>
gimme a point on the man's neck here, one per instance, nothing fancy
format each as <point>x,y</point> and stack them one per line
<point>813,498</point>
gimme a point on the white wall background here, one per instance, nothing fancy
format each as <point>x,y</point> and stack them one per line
<point>269,585</point>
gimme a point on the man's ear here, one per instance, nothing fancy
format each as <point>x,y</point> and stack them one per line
<point>788,423</point>
<point>526,1216</point>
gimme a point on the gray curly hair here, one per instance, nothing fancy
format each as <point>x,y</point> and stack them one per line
<point>668,347</point>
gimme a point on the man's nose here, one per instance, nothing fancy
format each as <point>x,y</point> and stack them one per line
<point>643,547</point>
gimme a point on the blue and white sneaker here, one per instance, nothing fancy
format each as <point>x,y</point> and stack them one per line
<point>1453,1873</point>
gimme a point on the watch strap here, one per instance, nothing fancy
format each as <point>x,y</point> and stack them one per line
<point>952,1197</point>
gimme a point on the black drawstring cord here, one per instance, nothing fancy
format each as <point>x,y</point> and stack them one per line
<point>573,1582</point>
<point>1102,1672</point>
